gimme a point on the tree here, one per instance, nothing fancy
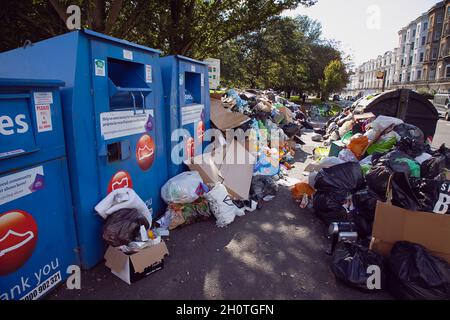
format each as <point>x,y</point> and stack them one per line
<point>191,27</point>
<point>273,57</point>
<point>335,78</point>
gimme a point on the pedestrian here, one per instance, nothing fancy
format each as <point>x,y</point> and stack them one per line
<point>304,98</point>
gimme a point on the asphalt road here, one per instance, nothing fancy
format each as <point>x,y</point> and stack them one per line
<point>277,252</point>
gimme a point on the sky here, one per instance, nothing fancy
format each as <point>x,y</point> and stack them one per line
<point>365,28</point>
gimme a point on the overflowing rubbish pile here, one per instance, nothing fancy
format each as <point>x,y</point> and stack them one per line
<point>368,160</point>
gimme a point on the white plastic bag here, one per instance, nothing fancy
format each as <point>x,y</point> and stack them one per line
<point>366,160</point>
<point>222,206</point>
<point>330,162</point>
<point>124,198</point>
<point>182,188</point>
<point>381,123</point>
<point>347,155</point>
<point>423,157</point>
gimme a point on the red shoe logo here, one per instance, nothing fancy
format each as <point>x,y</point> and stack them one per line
<point>200,131</point>
<point>120,180</point>
<point>18,237</point>
<point>145,152</point>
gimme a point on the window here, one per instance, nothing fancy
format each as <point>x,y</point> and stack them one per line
<point>419,74</point>
<point>400,78</point>
<point>434,53</point>
<point>423,40</point>
<point>447,70</point>
<point>410,60</point>
<point>421,57</point>
<point>436,36</point>
<point>425,26</point>
<point>414,32</point>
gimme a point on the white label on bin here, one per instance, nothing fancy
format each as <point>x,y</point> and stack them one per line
<point>192,68</point>
<point>191,114</point>
<point>21,184</point>
<point>127,54</point>
<point>148,73</point>
<point>99,68</point>
<point>123,123</point>
<point>181,79</point>
<point>43,118</point>
<point>43,98</point>
<point>202,77</point>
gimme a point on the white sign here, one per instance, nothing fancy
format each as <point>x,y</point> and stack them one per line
<point>123,123</point>
<point>202,81</point>
<point>214,73</point>
<point>148,73</point>
<point>191,114</point>
<point>43,118</point>
<point>192,68</point>
<point>99,68</point>
<point>43,98</point>
<point>181,79</point>
<point>127,54</point>
<point>21,184</point>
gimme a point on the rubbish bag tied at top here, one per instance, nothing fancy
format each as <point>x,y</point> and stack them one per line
<point>350,264</point>
<point>415,274</point>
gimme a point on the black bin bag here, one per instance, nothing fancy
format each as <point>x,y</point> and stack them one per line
<point>350,264</point>
<point>329,207</point>
<point>415,274</point>
<point>334,186</point>
<point>123,227</point>
<point>346,177</point>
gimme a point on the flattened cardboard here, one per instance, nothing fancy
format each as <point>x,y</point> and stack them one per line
<point>393,224</point>
<point>237,178</point>
<point>237,175</point>
<point>224,119</point>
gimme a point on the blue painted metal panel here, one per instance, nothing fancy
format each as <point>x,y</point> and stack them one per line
<point>186,86</point>
<point>104,80</point>
<point>37,229</point>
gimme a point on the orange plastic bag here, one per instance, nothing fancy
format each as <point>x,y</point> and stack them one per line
<point>300,189</point>
<point>359,146</point>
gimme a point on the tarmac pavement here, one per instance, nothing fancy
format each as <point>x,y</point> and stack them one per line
<point>275,253</point>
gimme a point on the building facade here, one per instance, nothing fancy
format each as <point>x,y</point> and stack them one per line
<point>420,62</point>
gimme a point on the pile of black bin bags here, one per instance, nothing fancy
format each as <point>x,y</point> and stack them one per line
<point>347,193</point>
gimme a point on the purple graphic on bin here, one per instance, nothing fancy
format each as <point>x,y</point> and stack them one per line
<point>149,124</point>
<point>38,184</point>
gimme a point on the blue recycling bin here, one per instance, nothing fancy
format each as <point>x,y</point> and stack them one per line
<point>37,228</point>
<point>113,119</point>
<point>186,99</point>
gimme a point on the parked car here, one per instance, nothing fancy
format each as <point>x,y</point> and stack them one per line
<point>442,103</point>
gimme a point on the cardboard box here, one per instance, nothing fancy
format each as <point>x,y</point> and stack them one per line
<point>236,176</point>
<point>134,267</point>
<point>224,119</point>
<point>393,224</point>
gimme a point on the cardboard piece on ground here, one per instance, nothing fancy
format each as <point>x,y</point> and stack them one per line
<point>215,95</point>
<point>393,224</point>
<point>131,268</point>
<point>237,170</point>
<point>224,119</point>
<point>236,176</point>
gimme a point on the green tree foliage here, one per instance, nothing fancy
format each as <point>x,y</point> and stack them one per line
<point>335,78</point>
<point>286,54</point>
<point>190,27</point>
